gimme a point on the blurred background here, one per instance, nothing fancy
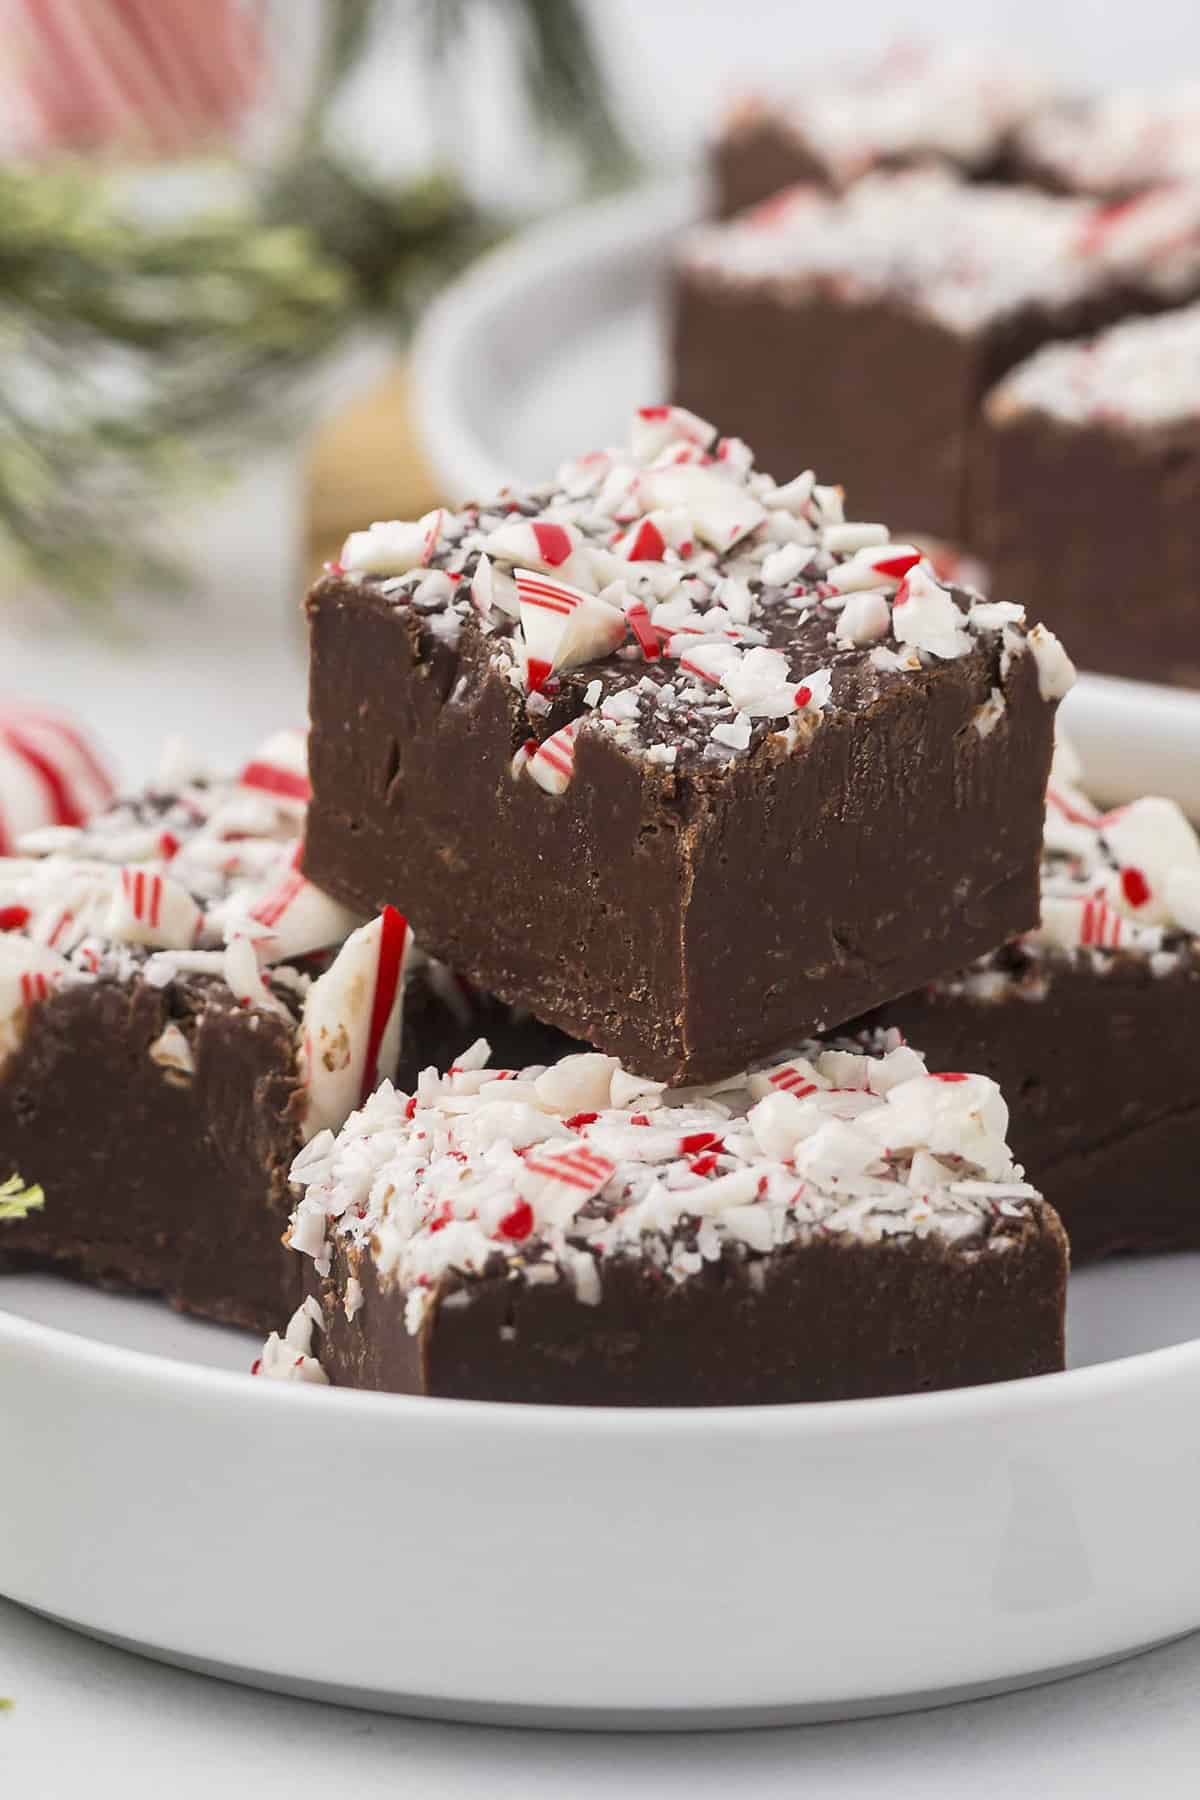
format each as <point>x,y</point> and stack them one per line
<point>219,219</point>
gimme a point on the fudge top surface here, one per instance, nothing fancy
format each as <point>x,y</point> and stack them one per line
<point>915,100</point>
<point>1120,891</point>
<point>544,1173</point>
<point>195,881</point>
<point>670,596</point>
<point>964,254</point>
<point>1118,142</point>
<point>1142,373</point>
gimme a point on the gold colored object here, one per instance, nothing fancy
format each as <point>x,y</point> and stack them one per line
<point>364,464</point>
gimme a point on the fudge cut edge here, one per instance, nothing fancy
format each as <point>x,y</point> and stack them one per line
<point>1051,501</point>
<point>88,1114</point>
<point>687,923</point>
<point>1112,1138</point>
<point>819,1321</point>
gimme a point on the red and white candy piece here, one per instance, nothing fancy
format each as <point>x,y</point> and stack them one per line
<point>352,1021</point>
<point>707,662</point>
<point>552,764</point>
<point>654,428</point>
<point>875,567</point>
<point>563,627</point>
<point>649,642</point>
<point>560,1181</point>
<point>649,538</point>
<point>49,774</point>
<point>1072,922</point>
<point>279,770</point>
<point>492,590</point>
<point>1150,840</point>
<point>148,908</point>
<point>760,684</point>
<point>534,543</point>
<point>29,973</point>
<point>298,918</point>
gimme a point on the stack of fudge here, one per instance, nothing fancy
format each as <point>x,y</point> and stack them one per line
<point>978,295</point>
<point>621,996</point>
<point>693,769</point>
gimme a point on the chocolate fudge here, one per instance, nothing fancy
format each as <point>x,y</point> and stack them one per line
<point>179,1010</point>
<point>1112,145</point>
<point>863,330</point>
<point>1089,1024</point>
<point>674,757</point>
<point>836,1226</point>
<point>1086,494</point>
<point>915,103</point>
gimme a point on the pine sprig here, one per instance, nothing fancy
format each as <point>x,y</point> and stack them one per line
<point>134,355</point>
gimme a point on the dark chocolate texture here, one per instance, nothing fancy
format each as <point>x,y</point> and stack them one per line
<point>823,1321</point>
<point>689,920</point>
<point>1098,1064</point>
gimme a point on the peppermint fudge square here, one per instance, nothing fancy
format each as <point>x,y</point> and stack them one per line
<point>179,1010</point>
<point>916,103</point>
<point>1089,1022</point>
<point>863,330</point>
<point>836,1226</point>
<point>1085,494</point>
<point>675,756</point>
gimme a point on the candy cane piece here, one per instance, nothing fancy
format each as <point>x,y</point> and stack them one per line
<point>352,1021</point>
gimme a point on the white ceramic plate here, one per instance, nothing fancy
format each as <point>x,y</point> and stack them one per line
<point>563,1566</point>
<point>545,348</point>
<point>601,1568</point>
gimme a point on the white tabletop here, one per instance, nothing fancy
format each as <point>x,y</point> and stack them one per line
<point>90,1719</point>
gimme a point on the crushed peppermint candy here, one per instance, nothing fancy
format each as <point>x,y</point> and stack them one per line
<point>913,102</point>
<point>200,877</point>
<point>1144,372</point>
<point>1115,885</point>
<point>290,1358</point>
<point>1116,143</point>
<point>964,254</point>
<point>669,596</point>
<point>544,1174</point>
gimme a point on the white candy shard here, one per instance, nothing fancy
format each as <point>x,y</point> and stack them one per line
<point>1056,671</point>
<point>926,616</point>
<point>290,1358</point>
<point>388,547</point>
<point>865,618</point>
<point>656,427</point>
<point>760,685</point>
<point>721,510</point>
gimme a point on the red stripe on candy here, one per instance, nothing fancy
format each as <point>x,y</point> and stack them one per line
<point>553,542</point>
<point>270,779</point>
<point>1135,887</point>
<point>393,936</point>
<point>14,918</point>
<point>64,806</point>
<point>643,631</point>
<point>898,565</point>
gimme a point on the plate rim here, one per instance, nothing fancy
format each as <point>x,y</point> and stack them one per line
<point>90,1358</point>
